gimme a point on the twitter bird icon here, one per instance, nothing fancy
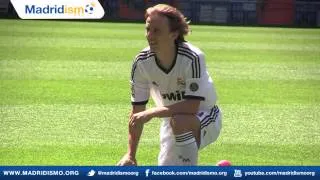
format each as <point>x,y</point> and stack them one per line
<point>91,173</point>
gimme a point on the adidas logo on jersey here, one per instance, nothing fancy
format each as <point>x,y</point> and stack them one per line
<point>174,96</point>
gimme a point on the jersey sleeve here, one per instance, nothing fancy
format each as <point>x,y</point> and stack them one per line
<point>140,90</point>
<point>195,79</point>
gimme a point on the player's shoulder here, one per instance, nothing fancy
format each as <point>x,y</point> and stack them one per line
<point>189,49</point>
<point>144,54</point>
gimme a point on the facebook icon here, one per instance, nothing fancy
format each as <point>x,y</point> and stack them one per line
<point>147,172</point>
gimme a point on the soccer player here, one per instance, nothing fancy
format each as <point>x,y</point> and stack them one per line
<point>174,73</point>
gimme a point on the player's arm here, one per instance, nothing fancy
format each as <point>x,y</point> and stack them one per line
<point>139,99</point>
<point>188,106</point>
<point>134,132</point>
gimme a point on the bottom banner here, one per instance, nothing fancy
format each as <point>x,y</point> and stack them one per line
<point>159,172</point>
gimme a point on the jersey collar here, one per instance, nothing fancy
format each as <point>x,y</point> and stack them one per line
<point>167,71</point>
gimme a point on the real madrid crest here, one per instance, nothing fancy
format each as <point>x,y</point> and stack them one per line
<point>181,82</point>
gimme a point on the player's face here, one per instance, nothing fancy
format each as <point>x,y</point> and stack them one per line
<point>158,32</point>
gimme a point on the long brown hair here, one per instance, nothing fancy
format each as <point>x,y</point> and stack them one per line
<point>177,21</point>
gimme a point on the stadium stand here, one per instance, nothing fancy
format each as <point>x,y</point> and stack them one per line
<point>4,6</point>
<point>298,13</point>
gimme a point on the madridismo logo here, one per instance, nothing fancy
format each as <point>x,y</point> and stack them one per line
<point>58,9</point>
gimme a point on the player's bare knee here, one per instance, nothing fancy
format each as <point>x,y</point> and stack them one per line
<point>183,123</point>
<point>175,123</point>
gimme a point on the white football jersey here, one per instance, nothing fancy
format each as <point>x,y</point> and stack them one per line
<point>186,79</point>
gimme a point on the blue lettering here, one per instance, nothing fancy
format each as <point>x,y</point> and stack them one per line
<point>46,10</point>
<point>29,9</point>
<point>61,9</point>
<point>38,10</point>
<point>53,9</point>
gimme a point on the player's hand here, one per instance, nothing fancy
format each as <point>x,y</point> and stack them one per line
<point>127,161</point>
<point>138,119</point>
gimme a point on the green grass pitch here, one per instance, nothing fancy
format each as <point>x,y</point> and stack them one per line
<point>65,96</point>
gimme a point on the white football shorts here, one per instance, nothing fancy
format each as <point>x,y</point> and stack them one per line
<point>211,123</point>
